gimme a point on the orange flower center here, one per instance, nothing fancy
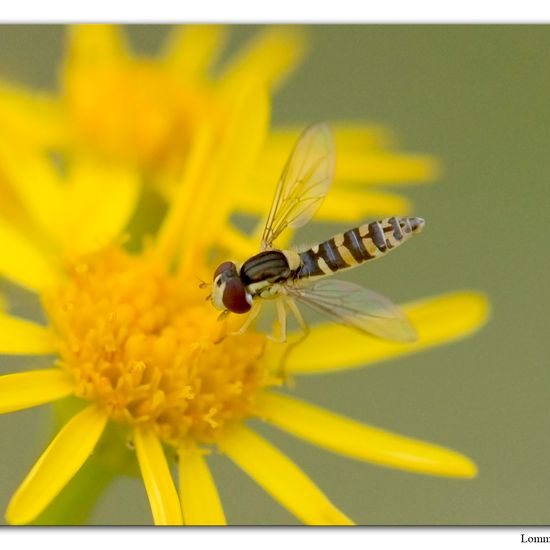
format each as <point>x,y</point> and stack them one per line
<point>137,112</point>
<point>149,349</point>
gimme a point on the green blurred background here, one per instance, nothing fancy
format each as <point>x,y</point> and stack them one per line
<point>476,97</point>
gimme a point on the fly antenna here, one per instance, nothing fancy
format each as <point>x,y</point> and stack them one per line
<point>202,284</point>
<point>223,315</point>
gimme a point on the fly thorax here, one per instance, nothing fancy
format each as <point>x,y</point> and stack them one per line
<point>263,270</point>
<point>270,291</point>
<point>261,288</point>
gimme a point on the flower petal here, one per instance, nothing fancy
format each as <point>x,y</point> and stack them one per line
<point>348,138</point>
<point>57,465</point>
<point>245,132</point>
<point>162,494</point>
<point>437,320</point>
<point>29,389</point>
<point>36,183</point>
<point>356,440</point>
<point>192,49</point>
<point>361,168</point>
<point>345,204</point>
<point>342,205</point>
<point>281,478</point>
<point>382,167</point>
<point>21,337</point>
<point>199,497</point>
<point>176,222</point>
<point>90,45</point>
<point>362,157</point>
<point>85,228</point>
<point>239,244</point>
<point>269,58</point>
<point>31,118</point>
<point>22,262</point>
<point>351,136</point>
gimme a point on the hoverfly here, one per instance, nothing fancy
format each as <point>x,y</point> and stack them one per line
<point>302,276</point>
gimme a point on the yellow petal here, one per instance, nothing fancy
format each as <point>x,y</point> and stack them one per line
<point>22,262</point>
<point>239,244</point>
<point>12,211</point>
<point>245,134</point>
<point>21,337</point>
<point>358,167</point>
<point>36,183</point>
<point>175,224</point>
<point>269,58</point>
<point>361,136</point>
<point>437,320</point>
<point>356,440</point>
<point>200,502</point>
<point>91,45</point>
<point>342,205</point>
<point>383,167</point>
<point>192,49</point>
<point>281,478</point>
<point>162,494</point>
<point>32,118</point>
<point>348,137</point>
<point>58,464</point>
<point>113,191</point>
<point>29,389</point>
<point>352,136</point>
<point>230,170</point>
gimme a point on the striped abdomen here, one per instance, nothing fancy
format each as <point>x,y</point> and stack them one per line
<point>356,246</point>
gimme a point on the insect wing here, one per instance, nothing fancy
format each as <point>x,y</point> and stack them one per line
<point>304,183</point>
<point>357,307</point>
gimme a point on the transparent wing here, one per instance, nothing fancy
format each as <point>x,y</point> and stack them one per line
<point>357,307</point>
<point>304,183</point>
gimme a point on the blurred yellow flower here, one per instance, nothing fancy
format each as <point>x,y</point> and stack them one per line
<point>136,342</point>
<point>146,112</point>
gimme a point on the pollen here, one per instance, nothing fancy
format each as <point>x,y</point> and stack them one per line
<point>137,112</point>
<point>148,348</point>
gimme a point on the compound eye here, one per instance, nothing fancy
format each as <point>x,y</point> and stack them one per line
<point>227,267</point>
<point>235,297</point>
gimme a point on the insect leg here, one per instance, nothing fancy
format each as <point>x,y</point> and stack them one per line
<point>281,317</point>
<point>254,312</point>
<point>291,304</point>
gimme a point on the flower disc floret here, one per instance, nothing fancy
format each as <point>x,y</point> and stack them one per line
<point>148,348</point>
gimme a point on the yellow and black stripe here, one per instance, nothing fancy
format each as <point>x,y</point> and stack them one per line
<point>366,242</point>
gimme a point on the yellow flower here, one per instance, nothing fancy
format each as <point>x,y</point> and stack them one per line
<point>146,113</point>
<point>136,342</point>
